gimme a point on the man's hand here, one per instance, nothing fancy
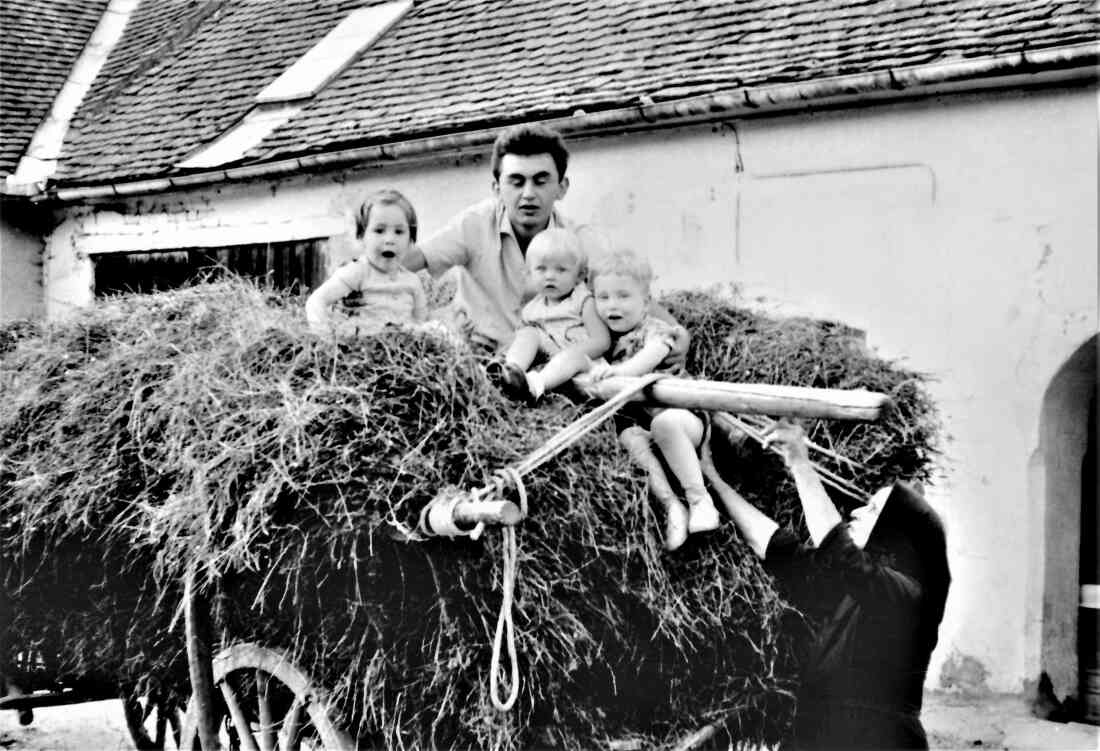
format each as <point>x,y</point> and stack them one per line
<point>681,340</point>
<point>599,369</point>
<point>458,321</point>
<point>680,343</point>
<point>788,439</point>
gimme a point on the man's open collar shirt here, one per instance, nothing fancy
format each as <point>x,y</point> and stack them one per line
<point>491,287</point>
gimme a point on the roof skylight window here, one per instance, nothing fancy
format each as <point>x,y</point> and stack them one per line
<point>286,96</point>
<point>329,56</point>
<point>231,145</point>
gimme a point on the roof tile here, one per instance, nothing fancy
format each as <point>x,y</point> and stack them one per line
<point>186,71</point>
<point>41,41</point>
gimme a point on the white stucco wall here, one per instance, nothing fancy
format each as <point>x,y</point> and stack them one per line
<point>961,234</point>
<point>20,270</point>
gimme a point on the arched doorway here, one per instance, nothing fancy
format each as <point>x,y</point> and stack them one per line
<point>1088,622</point>
<point>1068,441</point>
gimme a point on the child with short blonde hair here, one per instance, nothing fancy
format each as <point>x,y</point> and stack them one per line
<point>643,343</point>
<point>559,323</point>
<point>375,289</point>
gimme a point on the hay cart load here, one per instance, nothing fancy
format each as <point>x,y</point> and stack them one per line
<point>264,492</point>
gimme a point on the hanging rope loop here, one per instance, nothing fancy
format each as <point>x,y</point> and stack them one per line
<point>505,634</point>
<point>438,517</point>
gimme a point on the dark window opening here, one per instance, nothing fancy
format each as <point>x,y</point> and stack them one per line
<point>293,266</point>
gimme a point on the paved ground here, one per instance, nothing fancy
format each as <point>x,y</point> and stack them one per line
<point>953,723</point>
<point>999,722</point>
<point>93,726</point>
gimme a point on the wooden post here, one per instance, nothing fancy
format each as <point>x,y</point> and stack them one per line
<point>747,398</point>
<point>469,513</point>
<point>196,617</point>
<point>454,513</point>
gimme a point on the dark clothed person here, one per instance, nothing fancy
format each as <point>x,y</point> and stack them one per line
<point>873,590</point>
<point>876,613</point>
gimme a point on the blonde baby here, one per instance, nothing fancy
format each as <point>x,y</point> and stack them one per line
<point>560,324</point>
<point>642,343</point>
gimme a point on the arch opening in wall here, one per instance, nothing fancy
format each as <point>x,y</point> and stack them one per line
<point>1068,443</point>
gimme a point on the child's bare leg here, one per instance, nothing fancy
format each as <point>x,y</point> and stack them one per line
<point>636,440</point>
<point>559,369</point>
<point>510,375</point>
<point>679,433</point>
<point>524,348</point>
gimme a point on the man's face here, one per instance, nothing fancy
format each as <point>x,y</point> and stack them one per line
<point>528,187</point>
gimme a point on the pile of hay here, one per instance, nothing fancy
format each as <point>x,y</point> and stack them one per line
<point>208,425</point>
<point>734,344</point>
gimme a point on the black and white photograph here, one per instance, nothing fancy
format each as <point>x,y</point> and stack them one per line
<point>565,375</point>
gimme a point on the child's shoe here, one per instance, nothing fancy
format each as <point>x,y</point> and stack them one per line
<point>676,525</point>
<point>494,371</point>
<point>510,379</point>
<point>702,515</point>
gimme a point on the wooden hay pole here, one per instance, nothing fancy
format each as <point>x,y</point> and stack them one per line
<point>747,398</point>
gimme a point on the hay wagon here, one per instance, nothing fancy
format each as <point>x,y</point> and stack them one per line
<point>252,697</point>
<point>226,369</point>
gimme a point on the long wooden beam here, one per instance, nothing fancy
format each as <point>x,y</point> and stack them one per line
<point>747,398</point>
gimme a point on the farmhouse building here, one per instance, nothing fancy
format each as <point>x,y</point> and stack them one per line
<point>922,170</point>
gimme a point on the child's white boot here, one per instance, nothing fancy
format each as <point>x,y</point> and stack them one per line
<point>676,524</point>
<point>702,514</point>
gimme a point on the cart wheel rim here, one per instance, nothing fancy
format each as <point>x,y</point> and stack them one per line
<point>310,702</point>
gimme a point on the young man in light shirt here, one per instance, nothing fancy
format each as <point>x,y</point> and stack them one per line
<point>488,241</point>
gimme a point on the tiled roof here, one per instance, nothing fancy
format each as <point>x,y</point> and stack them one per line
<point>185,72</point>
<point>452,65</point>
<point>39,42</point>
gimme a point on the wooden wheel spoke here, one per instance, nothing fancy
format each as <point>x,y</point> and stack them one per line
<point>267,724</point>
<point>288,736</point>
<point>162,720</point>
<point>240,722</point>
<point>148,720</point>
<point>175,723</point>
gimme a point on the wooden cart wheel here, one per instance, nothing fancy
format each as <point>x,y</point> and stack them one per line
<point>153,723</point>
<point>268,704</point>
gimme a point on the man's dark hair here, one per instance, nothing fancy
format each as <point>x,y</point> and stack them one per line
<point>530,140</point>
